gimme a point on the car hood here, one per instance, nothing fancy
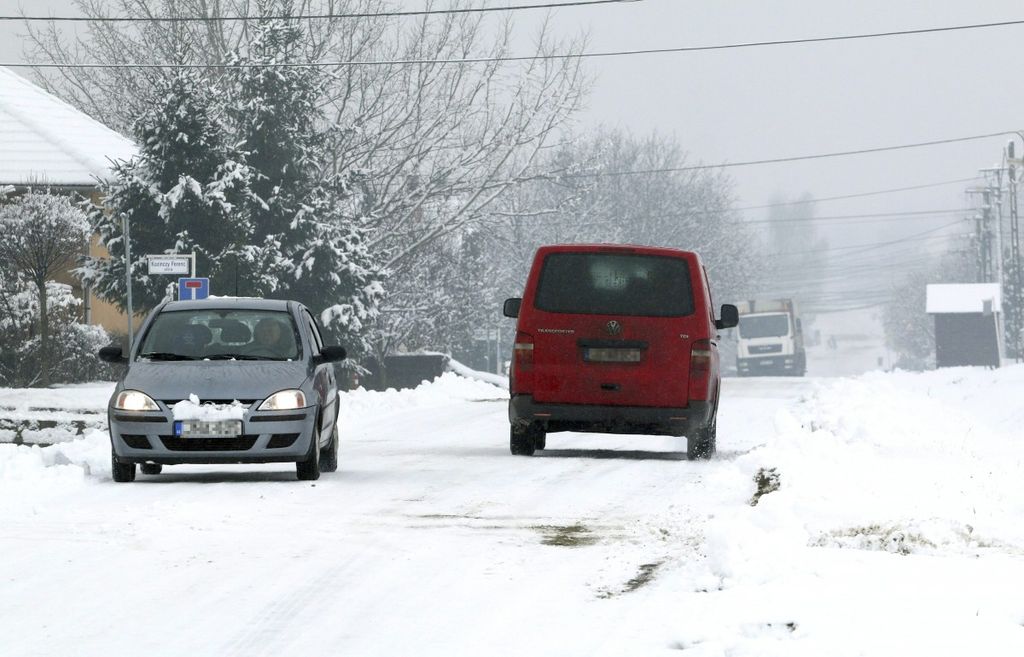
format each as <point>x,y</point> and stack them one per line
<point>219,380</point>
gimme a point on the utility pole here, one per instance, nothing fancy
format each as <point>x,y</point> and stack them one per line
<point>984,234</point>
<point>128,279</point>
<point>1017,297</point>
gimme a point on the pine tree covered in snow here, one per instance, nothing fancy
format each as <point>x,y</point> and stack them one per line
<point>183,193</point>
<point>235,169</point>
<point>308,239</point>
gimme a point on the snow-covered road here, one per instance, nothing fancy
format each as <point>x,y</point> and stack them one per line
<point>432,540</point>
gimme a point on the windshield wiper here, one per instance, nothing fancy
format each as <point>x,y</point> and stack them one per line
<point>164,355</point>
<point>233,357</point>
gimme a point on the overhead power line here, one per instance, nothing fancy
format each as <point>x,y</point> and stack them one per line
<point>525,58</point>
<point>856,248</point>
<point>328,16</point>
<point>840,217</point>
<point>794,158</point>
<point>842,197</point>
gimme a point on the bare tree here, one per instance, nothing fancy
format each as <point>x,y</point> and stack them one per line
<point>40,236</point>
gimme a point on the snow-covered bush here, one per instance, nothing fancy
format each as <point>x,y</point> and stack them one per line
<point>40,236</point>
<point>73,347</point>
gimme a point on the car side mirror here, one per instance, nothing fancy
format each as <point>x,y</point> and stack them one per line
<point>333,354</point>
<point>730,317</point>
<point>512,307</point>
<point>112,354</point>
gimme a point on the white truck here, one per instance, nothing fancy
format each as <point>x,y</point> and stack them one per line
<point>770,339</point>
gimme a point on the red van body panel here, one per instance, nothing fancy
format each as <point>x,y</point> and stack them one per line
<point>641,368</point>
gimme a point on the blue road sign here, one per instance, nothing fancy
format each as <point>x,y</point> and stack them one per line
<point>193,289</point>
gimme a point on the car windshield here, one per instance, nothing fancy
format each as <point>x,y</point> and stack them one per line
<point>615,284</point>
<point>764,326</point>
<point>241,334</point>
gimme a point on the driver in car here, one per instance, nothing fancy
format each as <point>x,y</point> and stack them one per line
<point>269,334</point>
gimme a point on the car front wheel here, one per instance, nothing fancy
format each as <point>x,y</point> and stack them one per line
<point>309,468</point>
<point>329,454</point>
<point>122,473</point>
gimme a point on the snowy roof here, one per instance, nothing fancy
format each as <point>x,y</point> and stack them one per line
<point>963,298</point>
<point>45,140</point>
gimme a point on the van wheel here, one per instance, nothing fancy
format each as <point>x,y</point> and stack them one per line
<point>524,440</point>
<point>121,472</point>
<point>702,444</point>
<point>152,468</point>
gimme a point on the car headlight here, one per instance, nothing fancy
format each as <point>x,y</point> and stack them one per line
<point>133,400</point>
<point>285,400</point>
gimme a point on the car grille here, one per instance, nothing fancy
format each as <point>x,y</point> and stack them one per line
<point>244,402</point>
<point>238,444</point>
<point>765,348</point>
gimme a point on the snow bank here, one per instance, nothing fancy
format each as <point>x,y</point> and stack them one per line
<point>448,387</point>
<point>71,461</point>
<point>895,528</point>
<point>486,377</point>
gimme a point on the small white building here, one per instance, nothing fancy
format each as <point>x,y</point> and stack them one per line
<point>968,323</point>
<point>45,143</point>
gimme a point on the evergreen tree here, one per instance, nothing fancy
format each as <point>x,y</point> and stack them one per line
<point>183,193</point>
<point>237,169</point>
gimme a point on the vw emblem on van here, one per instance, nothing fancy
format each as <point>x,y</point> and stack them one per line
<point>613,327</point>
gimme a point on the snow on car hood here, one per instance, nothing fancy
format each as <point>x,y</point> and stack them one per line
<point>214,379</point>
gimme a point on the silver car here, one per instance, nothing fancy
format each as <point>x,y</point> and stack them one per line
<point>225,381</point>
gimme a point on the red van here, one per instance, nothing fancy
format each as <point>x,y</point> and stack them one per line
<point>615,339</point>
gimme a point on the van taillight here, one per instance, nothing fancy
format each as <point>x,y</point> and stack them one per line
<point>522,363</point>
<point>700,370</point>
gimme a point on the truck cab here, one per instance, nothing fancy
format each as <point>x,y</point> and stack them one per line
<point>770,340</point>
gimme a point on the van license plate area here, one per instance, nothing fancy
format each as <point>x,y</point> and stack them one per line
<point>208,428</point>
<point>611,355</point>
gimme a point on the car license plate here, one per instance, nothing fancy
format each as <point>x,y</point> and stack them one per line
<point>605,355</point>
<point>208,428</point>
<point>766,362</point>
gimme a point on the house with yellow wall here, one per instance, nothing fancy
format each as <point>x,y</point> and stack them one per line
<point>47,143</point>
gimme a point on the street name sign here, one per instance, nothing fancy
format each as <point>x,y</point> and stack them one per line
<point>169,264</point>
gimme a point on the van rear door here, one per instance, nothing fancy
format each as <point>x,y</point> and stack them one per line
<point>613,328</point>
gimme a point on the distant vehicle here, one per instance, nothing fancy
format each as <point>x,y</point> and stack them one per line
<point>770,338</point>
<point>262,377</point>
<point>615,339</point>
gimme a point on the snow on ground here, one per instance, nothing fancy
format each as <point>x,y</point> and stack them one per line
<point>894,531</point>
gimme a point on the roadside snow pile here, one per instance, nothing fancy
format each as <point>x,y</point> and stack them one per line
<point>894,529</point>
<point>69,461</point>
<point>192,409</point>
<point>487,377</point>
<point>903,462</point>
<point>361,403</point>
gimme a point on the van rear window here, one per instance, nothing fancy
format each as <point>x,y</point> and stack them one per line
<point>615,284</point>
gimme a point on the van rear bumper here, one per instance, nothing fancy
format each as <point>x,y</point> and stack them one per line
<point>522,409</point>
